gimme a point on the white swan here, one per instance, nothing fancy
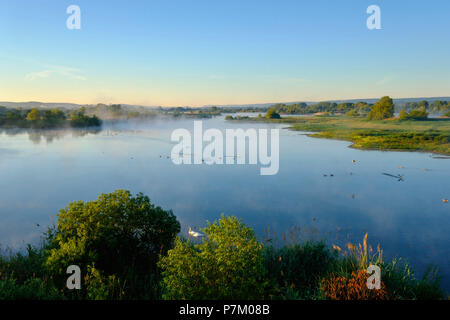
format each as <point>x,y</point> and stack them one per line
<point>195,234</point>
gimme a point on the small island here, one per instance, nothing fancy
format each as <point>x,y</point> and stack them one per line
<point>46,119</point>
<point>369,127</point>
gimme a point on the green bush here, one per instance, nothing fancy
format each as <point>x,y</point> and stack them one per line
<point>299,268</point>
<point>382,109</point>
<point>272,114</point>
<point>120,235</point>
<point>401,282</point>
<point>228,264</point>
<point>31,289</point>
<point>352,113</point>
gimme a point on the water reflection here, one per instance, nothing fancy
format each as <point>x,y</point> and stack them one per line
<point>38,135</point>
<point>42,171</point>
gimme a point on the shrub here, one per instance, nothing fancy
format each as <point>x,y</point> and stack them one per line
<point>382,109</point>
<point>228,264</point>
<point>351,288</point>
<point>31,289</point>
<point>272,114</point>
<point>299,268</point>
<point>416,114</point>
<point>352,113</point>
<point>401,282</point>
<point>403,115</point>
<point>101,287</point>
<point>119,234</point>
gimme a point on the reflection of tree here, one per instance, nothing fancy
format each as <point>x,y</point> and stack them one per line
<point>36,136</point>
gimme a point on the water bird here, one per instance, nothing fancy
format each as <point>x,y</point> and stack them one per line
<point>353,161</point>
<point>445,200</point>
<point>399,176</point>
<point>331,175</point>
<point>325,175</point>
<point>195,234</point>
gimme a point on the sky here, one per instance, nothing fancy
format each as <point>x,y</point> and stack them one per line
<point>194,53</point>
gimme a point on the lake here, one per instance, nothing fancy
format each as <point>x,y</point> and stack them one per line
<point>42,171</point>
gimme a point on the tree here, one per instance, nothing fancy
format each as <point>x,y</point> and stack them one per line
<point>424,104</point>
<point>272,114</point>
<point>54,115</point>
<point>382,109</point>
<point>119,235</point>
<point>34,115</point>
<point>228,264</point>
<point>352,113</point>
<point>418,114</point>
<point>403,115</point>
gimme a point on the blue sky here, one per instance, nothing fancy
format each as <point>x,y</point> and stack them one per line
<point>222,52</point>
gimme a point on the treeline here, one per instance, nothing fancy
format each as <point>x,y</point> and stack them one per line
<point>361,108</point>
<point>128,248</point>
<point>322,107</point>
<point>437,106</point>
<point>49,118</point>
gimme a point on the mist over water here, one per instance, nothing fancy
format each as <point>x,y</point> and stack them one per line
<point>42,171</point>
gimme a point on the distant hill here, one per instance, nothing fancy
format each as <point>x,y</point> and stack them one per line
<point>41,105</point>
<point>130,107</point>
<point>66,105</point>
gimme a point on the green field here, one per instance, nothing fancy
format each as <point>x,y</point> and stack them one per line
<point>432,135</point>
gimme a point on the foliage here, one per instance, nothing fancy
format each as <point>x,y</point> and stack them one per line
<point>429,135</point>
<point>101,287</point>
<point>228,264</point>
<point>119,241</point>
<point>403,115</point>
<point>45,119</point>
<point>297,269</point>
<point>354,287</point>
<point>324,106</point>
<point>382,109</point>
<point>416,114</point>
<point>119,234</point>
<point>272,114</point>
<point>401,282</point>
<point>79,119</point>
<point>31,289</point>
<point>34,115</point>
<point>352,113</point>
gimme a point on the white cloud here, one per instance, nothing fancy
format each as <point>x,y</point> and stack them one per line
<point>71,73</point>
<point>383,81</point>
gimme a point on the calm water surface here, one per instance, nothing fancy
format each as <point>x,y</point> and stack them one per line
<point>41,172</point>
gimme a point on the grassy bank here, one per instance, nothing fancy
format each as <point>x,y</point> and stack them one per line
<point>432,135</point>
<point>128,248</point>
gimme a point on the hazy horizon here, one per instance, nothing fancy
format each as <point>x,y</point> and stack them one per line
<point>231,53</point>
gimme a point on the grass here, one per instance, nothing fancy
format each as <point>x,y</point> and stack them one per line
<point>308,270</point>
<point>432,135</point>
